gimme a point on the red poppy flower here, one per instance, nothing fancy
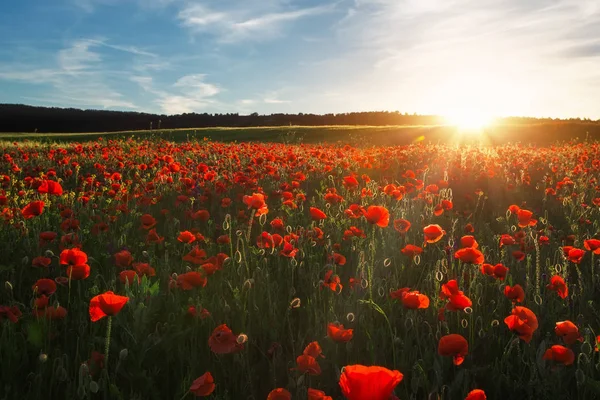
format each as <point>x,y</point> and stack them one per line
<point>308,364</point>
<point>592,245</point>
<point>33,209</point>
<point>223,341</point>
<point>256,201</point>
<point>506,240</point>
<point>350,182</point>
<point>338,259</point>
<point>560,354</point>
<point>186,237</point>
<point>433,233</point>
<point>575,255</point>
<point>279,394</point>
<point>203,385</point>
<point>470,255</point>
<point>524,217</point>
<point>288,250</point>
<point>515,293</point>
<point>378,215</point>
<point>265,241</point>
<point>106,304</point>
<point>468,241</point>
<point>337,332</point>
<point>411,299</point>
<point>153,237</point>
<point>123,259</point>
<point>73,257</point>
<point>314,394</point>
<point>201,215</point>
<point>12,313</point>
<point>190,280</point>
<point>195,256</point>
<point>144,269</point>
<point>41,262</point>
<point>313,349</point>
<point>411,250</point>
<point>359,382</point>
<point>476,394</point>
<point>568,331</point>
<point>354,211</point>
<point>453,345</point>
<point>558,284</point>
<point>498,271</point>
<point>518,255</point>
<point>44,287</point>
<point>129,277</point>
<point>48,236</point>
<point>148,221</point>
<point>317,214</point>
<point>277,224</point>
<point>401,225</point>
<point>78,272</point>
<point>50,187</point>
<point>523,321</point>
<point>456,298</point>
<point>51,313</point>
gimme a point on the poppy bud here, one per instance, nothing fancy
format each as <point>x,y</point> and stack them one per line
<point>49,253</point>
<point>123,354</point>
<point>94,387</point>
<point>43,357</point>
<point>8,286</point>
<point>84,370</point>
<point>295,303</point>
<point>145,254</point>
<point>242,338</point>
<point>350,317</point>
<point>25,260</point>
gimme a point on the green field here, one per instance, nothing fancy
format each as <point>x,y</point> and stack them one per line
<point>380,135</point>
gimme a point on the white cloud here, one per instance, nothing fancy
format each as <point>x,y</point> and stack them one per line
<point>190,93</point>
<point>79,77</point>
<point>194,85</point>
<point>245,20</point>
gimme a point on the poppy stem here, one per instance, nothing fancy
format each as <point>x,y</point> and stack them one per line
<point>107,343</point>
<point>184,395</point>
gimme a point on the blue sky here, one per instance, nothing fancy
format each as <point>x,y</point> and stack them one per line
<point>500,57</point>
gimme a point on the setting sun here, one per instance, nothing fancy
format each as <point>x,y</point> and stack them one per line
<point>469,120</point>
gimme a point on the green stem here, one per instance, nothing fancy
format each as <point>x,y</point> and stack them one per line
<point>107,343</point>
<point>184,395</point>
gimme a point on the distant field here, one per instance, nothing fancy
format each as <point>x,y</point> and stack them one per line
<point>356,134</point>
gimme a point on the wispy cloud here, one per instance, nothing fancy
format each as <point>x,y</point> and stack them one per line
<point>190,93</point>
<point>244,21</point>
<point>78,77</point>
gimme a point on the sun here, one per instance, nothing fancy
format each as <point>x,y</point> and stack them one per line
<point>469,120</point>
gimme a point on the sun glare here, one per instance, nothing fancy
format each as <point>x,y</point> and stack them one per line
<point>469,120</point>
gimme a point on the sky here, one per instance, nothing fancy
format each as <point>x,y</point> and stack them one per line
<point>536,58</point>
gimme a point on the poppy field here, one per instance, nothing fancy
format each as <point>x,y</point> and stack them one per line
<point>150,269</point>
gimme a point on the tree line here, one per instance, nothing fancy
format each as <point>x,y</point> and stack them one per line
<point>24,118</point>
